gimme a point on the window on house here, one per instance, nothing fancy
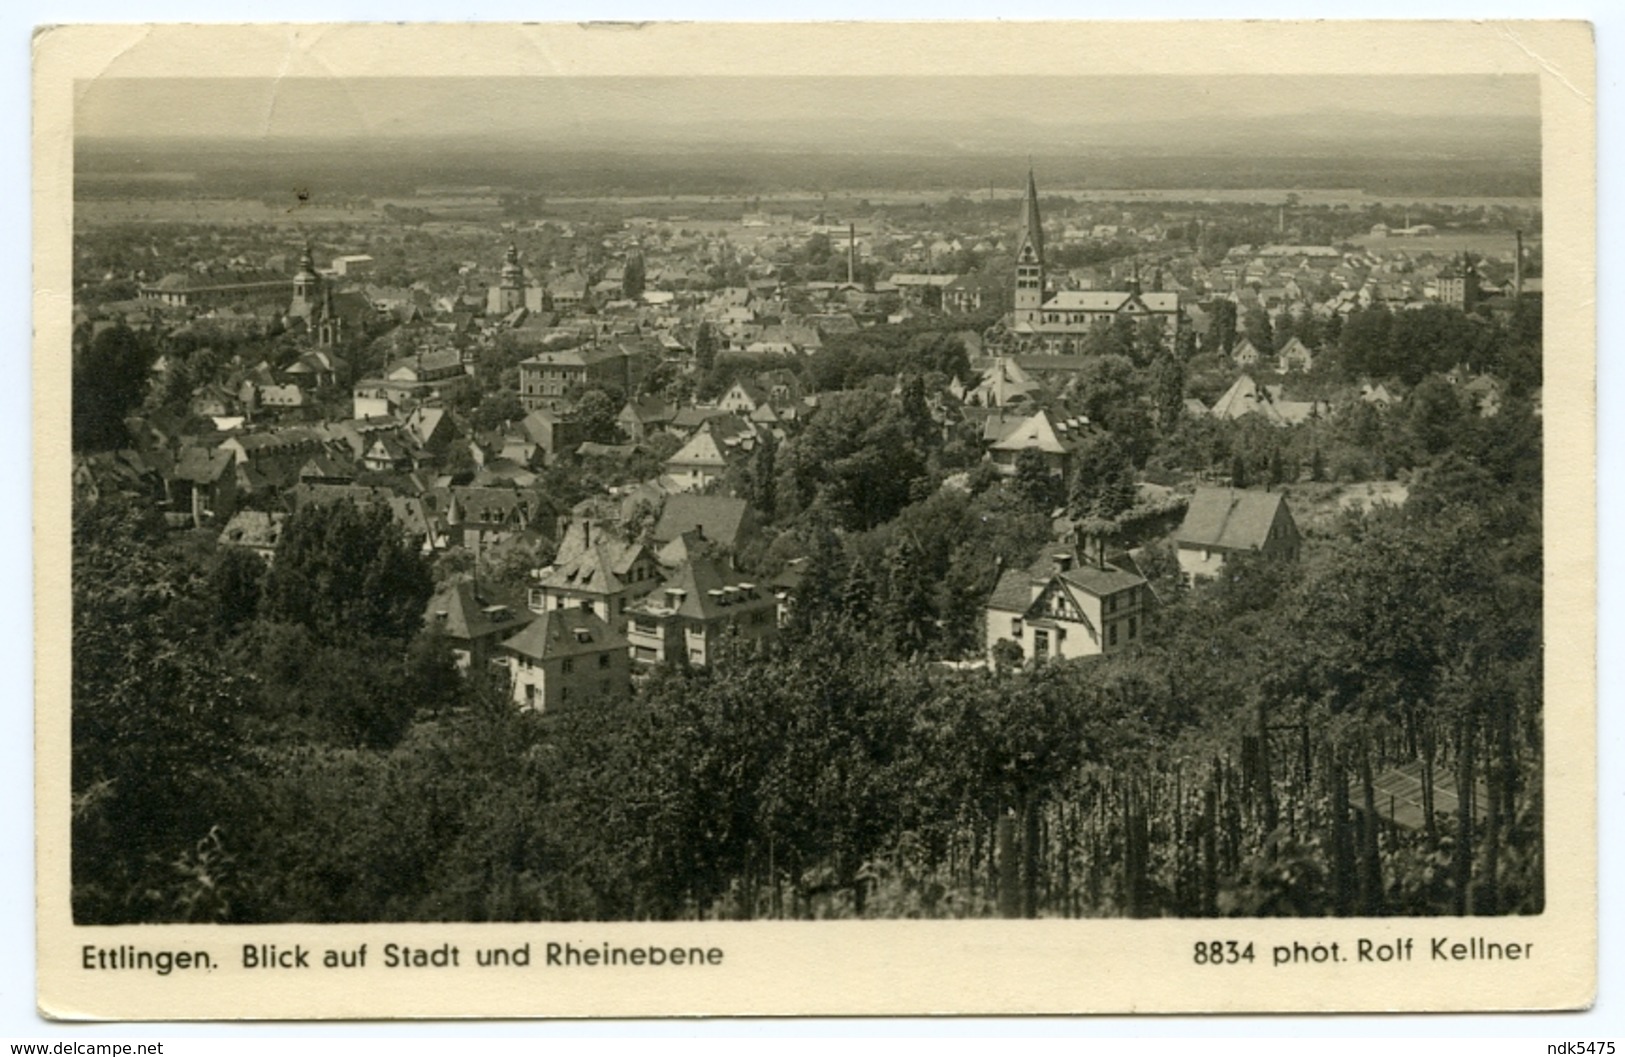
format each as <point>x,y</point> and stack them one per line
<point>564,693</point>
<point>603,660</point>
<point>569,665</point>
<point>1111,634</point>
<point>1015,627</point>
<point>1040,645</point>
<point>1133,628</point>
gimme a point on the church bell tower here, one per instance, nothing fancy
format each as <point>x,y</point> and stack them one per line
<point>306,287</point>
<point>511,290</point>
<point>1029,297</point>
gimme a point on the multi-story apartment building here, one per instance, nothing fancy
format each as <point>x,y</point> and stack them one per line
<point>700,606</point>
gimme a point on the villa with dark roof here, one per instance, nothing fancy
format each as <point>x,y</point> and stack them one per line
<point>566,657</point>
<point>1225,521</point>
<point>596,570</point>
<point>701,605</point>
<point>473,625</point>
<point>1063,607</point>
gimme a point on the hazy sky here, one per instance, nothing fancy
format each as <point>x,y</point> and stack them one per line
<point>541,107</point>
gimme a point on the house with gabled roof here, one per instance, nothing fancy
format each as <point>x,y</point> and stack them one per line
<point>209,482</point>
<point>722,519</point>
<point>1245,354</point>
<point>1295,356</point>
<point>743,398</point>
<point>1377,395</point>
<point>699,461</point>
<point>702,604</point>
<point>595,569</point>
<point>473,624</point>
<point>429,427</point>
<point>1223,521</point>
<point>688,546</point>
<point>476,517</point>
<point>688,419</point>
<point>315,369</point>
<point>326,469</point>
<point>554,431</point>
<point>1064,606</point>
<point>1247,397</point>
<point>387,452</point>
<point>1001,383</point>
<point>783,387</point>
<point>564,658</point>
<point>1053,435</point>
<point>641,417</point>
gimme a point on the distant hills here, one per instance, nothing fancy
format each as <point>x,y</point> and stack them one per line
<point>1467,155</point>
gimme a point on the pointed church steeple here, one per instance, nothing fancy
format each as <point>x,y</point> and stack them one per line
<point>1029,298</point>
<point>328,324</point>
<point>1032,226</point>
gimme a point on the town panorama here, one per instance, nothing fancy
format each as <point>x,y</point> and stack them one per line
<point>716,535</point>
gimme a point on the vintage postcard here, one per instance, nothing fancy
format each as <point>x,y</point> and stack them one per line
<point>679,519</point>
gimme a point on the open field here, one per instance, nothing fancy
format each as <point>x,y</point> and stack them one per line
<point>91,212</point>
<point>1487,243</point>
<point>224,210</point>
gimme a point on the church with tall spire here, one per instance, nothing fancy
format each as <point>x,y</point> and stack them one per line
<point>1057,322</point>
<point>1029,297</point>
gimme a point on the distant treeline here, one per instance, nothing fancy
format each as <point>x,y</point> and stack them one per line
<point>374,168</point>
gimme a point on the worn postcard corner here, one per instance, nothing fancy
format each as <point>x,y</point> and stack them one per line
<point>832,519</point>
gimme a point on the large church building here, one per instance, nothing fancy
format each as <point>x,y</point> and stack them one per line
<point>1057,321</point>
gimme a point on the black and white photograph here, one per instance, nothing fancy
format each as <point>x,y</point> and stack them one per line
<point>702,498</point>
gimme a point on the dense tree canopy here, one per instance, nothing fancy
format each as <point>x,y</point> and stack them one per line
<point>344,572</point>
<point>109,380</point>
